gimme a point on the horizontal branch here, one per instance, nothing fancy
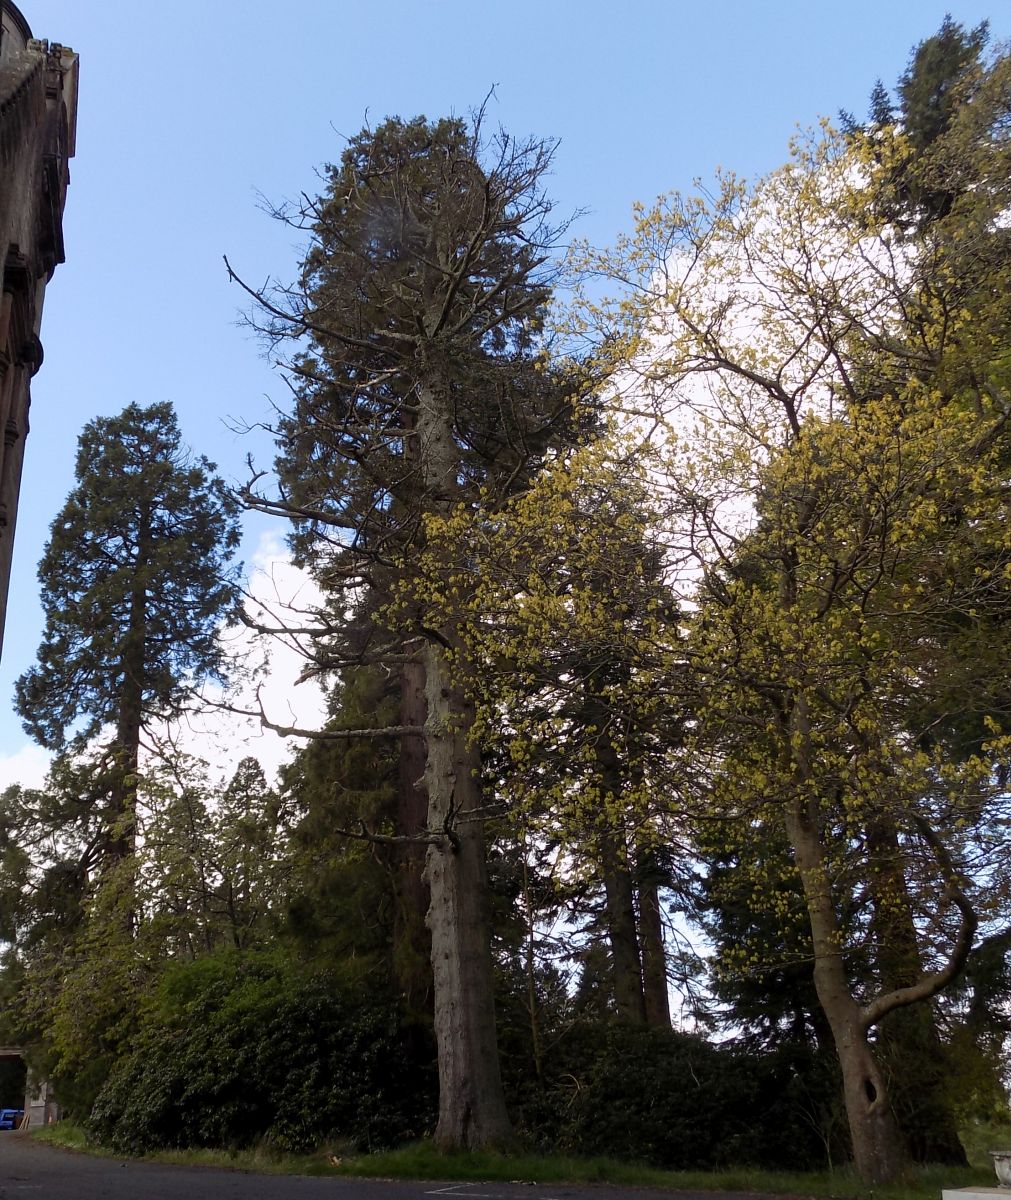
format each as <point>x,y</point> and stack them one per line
<point>317,735</point>
<point>386,839</point>
<point>342,735</point>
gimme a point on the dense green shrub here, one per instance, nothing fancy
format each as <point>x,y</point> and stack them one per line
<point>674,1100</point>
<point>238,1049</point>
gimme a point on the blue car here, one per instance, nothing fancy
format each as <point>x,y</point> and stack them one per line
<point>10,1118</point>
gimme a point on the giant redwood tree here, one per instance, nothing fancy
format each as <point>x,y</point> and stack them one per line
<point>422,395</point>
<point>135,584</point>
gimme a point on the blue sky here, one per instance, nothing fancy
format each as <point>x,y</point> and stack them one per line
<point>189,111</point>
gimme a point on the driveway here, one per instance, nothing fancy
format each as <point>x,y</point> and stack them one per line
<point>30,1170</point>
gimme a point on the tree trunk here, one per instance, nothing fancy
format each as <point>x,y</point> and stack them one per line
<point>619,900</point>
<point>651,944</point>
<point>616,875</point>
<point>472,1112</point>
<point>412,947</point>
<point>122,838</point>
<point>908,1042</point>
<point>877,1146</point>
<point>126,764</point>
<point>533,1008</point>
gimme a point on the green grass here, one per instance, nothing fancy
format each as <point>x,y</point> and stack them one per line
<point>69,1136</point>
<point>980,1137</point>
<point>64,1133</point>
<point>423,1161</point>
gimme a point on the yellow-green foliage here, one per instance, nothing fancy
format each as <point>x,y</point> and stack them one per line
<point>825,391</point>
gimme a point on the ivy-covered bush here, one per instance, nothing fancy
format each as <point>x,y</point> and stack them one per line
<point>240,1049</point>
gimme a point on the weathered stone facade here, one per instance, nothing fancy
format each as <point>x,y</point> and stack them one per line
<point>38,122</point>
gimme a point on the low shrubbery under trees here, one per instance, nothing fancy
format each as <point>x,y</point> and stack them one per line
<point>237,1049</point>
<point>688,611</point>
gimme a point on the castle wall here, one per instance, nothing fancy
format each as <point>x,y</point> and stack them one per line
<point>38,120</point>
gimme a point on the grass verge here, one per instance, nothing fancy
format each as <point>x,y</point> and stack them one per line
<point>423,1161</point>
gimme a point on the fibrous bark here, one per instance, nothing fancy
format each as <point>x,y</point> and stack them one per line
<point>651,944</point>
<point>472,1112</point>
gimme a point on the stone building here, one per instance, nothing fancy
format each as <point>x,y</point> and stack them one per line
<point>38,120</point>
<point>40,1105</point>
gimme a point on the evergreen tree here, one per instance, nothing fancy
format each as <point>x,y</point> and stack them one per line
<point>345,899</point>
<point>247,854</point>
<point>135,585</point>
<point>842,400</point>
<point>929,90</point>
<point>882,110</point>
<point>423,398</point>
<point>943,77</point>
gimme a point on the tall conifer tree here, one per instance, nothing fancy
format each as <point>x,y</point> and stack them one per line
<point>423,297</point>
<point>135,584</point>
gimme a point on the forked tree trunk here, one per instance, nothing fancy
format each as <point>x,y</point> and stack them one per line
<point>472,1113</point>
<point>878,1153</point>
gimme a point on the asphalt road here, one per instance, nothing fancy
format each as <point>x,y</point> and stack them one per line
<point>30,1170</point>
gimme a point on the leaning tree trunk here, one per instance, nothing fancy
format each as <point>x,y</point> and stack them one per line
<point>878,1152</point>
<point>472,1112</point>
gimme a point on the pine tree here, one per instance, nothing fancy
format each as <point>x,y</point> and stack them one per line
<point>882,110</point>
<point>944,74</point>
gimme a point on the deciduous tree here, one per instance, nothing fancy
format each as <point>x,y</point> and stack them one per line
<point>835,414</point>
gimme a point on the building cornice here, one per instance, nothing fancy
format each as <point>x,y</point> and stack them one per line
<point>17,18</point>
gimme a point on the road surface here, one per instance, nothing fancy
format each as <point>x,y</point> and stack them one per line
<point>30,1170</point>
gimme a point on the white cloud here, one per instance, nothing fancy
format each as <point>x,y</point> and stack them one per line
<point>26,766</point>
<point>220,737</point>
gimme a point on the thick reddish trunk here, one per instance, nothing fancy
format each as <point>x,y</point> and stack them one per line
<point>412,945</point>
<point>472,1113</point>
<point>651,944</point>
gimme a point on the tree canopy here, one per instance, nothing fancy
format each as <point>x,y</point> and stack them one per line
<point>664,641</point>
